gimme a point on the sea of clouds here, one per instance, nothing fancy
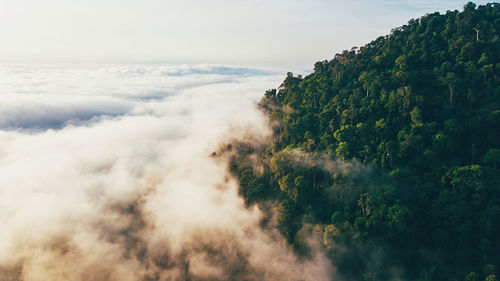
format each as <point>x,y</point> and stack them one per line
<point>106,174</point>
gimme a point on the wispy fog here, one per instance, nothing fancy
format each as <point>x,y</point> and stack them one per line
<point>106,174</point>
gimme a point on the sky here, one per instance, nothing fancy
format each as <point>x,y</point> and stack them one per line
<point>238,32</point>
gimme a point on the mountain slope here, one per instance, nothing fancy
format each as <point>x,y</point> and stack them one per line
<point>390,153</point>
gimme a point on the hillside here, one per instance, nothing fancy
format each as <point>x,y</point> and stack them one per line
<point>389,154</point>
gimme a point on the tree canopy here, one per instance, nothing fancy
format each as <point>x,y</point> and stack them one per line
<point>390,153</point>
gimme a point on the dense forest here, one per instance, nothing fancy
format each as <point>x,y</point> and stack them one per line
<point>389,154</point>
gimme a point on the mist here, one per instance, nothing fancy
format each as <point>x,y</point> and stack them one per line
<point>107,174</point>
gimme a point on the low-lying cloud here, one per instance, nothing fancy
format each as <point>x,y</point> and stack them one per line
<point>51,97</point>
<point>106,174</point>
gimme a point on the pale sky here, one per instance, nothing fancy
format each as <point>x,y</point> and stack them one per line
<point>244,32</point>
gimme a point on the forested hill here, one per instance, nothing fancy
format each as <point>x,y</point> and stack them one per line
<point>389,153</point>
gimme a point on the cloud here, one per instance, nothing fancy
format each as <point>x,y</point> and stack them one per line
<point>133,196</point>
<point>52,97</point>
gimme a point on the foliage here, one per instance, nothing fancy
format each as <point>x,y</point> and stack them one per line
<point>392,151</point>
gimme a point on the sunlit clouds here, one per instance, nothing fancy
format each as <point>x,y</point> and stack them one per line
<point>113,179</point>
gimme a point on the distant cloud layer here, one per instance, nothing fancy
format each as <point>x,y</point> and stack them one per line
<point>106,175</point>
<point>43,97</point>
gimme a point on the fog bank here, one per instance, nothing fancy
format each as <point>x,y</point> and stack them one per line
<point>107,174</point>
